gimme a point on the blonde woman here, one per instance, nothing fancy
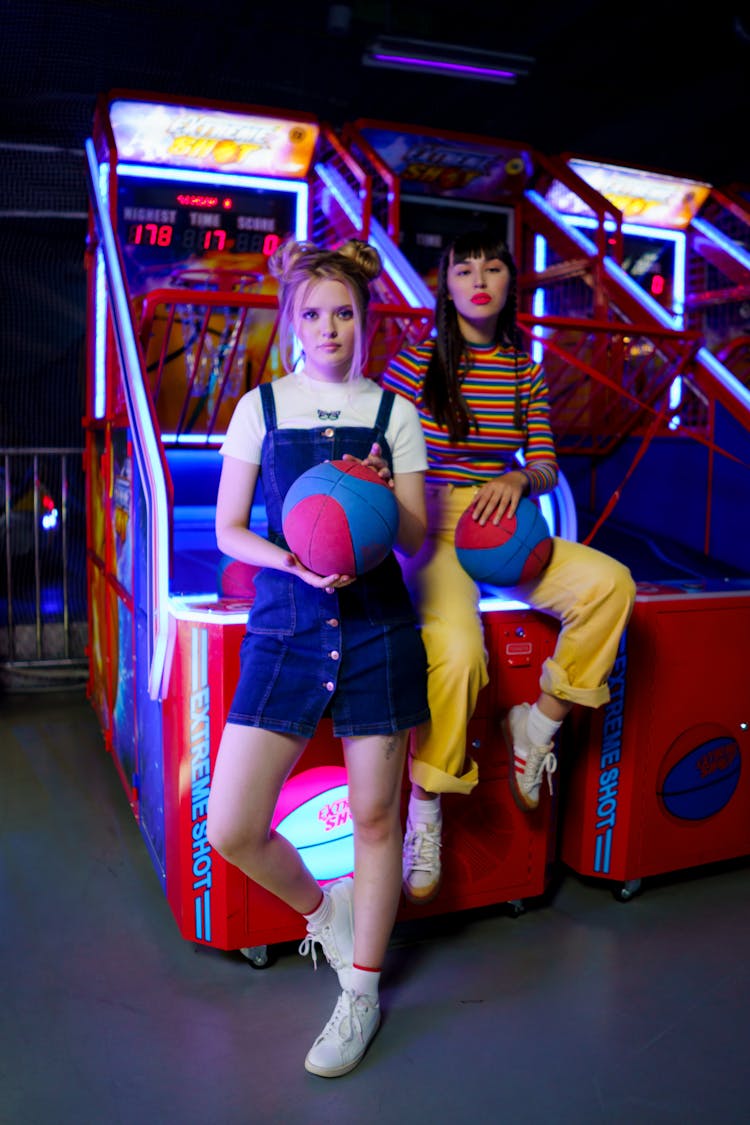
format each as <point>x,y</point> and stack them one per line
<point>323,645</point>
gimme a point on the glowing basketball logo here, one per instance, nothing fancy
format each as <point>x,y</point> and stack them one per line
<point>313,814</point>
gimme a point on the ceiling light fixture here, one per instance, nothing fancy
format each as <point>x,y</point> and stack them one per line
<point>446,59</point>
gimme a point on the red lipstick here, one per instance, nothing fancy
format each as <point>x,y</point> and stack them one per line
<point>481,299</point>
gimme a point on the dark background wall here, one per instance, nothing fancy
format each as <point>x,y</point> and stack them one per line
<point>645,85</point>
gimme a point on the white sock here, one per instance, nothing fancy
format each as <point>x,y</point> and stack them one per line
<point>424,812</point>
<point>365,982</point>
<point>539,729</point>
<point>321,913</point>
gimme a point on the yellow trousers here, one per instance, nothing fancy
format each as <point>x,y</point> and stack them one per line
<point>591,594</point>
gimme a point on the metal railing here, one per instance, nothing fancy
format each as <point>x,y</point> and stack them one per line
<point>43,599</point>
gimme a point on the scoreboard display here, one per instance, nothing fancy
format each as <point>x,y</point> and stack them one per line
<point>199,223</point>
<point>165,225</point>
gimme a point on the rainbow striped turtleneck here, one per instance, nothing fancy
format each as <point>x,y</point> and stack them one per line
<point>489,390</point>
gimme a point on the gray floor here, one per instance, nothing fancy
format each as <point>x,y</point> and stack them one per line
<point>582,1010</point>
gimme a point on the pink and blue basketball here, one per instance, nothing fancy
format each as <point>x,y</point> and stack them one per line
<point>513,551</point>
<point>699,773</point>
<point>340,517</point>
<point>236,579</point>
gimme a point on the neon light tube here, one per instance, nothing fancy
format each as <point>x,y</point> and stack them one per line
<point>439,66</point>
<point>720,239</point>
<point>539,300</point>
<point>725,376</point>
<point>145,442</point>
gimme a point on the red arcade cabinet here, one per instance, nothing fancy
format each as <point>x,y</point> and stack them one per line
<point>659,779</point>
<point>188,200</point>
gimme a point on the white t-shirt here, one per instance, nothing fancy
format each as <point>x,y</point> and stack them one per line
<point>304,404</point>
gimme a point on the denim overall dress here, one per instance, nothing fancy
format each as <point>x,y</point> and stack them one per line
<point>356,654</point>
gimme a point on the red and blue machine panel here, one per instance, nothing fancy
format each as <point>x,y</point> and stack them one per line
<point>659,779</point>
<point>494,853</point>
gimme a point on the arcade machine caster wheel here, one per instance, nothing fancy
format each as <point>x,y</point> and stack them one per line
<point>257,956</point>
<point>515,908</point>
<point>627,890</point>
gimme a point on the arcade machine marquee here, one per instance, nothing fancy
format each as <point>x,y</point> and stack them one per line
<point>445,183</point>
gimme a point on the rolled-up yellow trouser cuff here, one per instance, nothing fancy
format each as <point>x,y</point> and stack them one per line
<point>555,682</point>
<point>437,781</point>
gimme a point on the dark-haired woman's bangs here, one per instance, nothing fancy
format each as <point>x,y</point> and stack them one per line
<point>478,244</point>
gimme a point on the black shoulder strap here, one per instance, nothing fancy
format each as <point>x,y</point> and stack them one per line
<point>269,406</point>
<point>387,399</point>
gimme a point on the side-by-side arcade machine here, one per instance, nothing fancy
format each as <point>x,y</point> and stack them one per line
<point>653,782</point>
<point>659,779</point>
<point>187,203</point>
<point>685,242</point>
<point>656,782</point>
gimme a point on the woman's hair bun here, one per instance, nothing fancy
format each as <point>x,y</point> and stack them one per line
<point>292,253</point>
<point>364,256</point>
<point>284,257</point>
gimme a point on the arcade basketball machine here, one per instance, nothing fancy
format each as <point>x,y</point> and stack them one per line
<point>610,259</point>
<point>685,242</point>
<point>188,200</point>
<point>428,186</point>
<point>660,781</point>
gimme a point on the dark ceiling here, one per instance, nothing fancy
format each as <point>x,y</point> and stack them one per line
<point>645,85</point>
<point>654,90</point>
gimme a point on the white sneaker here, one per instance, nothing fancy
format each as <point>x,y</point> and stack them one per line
<point>528,763</point>
<point>345,1038</point>
<point>421,861</point>
<point>336,936</point>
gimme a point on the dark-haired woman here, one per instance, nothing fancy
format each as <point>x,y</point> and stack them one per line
<point>484,407</point>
